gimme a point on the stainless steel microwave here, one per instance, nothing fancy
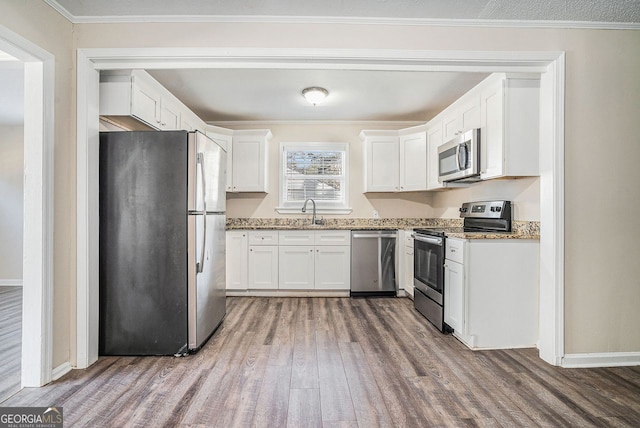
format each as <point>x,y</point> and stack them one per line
<point>459,158</point>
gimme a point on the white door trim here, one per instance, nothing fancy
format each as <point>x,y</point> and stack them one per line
<point>551,204</point>
<point>37,270</point>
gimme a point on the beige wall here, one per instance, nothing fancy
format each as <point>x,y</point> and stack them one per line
<point>524,193</point>
<point>602,107</point>
<point>601,111</point>
<point>11,207</point>
<point>39,23</point>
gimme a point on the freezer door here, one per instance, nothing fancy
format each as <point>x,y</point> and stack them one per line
<point>207,279</point>
<point>207,173</point>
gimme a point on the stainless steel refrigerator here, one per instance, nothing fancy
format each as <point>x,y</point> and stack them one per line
<point>162,241</point>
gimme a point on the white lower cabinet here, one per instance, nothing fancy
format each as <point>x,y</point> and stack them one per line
<point>296,267</point>
<point>315,267</point>
<point>454,295</point>
<point>332,267</point>
<point>405,261</point>
<point>296,260</point>
<point>491,292</point>
<point>263,267</point>
<point>236,259</point>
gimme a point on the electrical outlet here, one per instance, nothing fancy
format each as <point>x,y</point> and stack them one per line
<point>376,214</point>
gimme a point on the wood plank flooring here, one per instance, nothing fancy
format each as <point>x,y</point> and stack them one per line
<point>10,340</point>
<point>339,362</point>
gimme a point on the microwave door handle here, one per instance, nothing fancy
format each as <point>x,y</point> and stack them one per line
<point>462,158</point>
<point>458,147</point>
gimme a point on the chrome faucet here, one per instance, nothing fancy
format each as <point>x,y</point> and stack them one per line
<point>313,217</point>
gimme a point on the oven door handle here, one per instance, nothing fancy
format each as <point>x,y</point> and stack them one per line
<point>429,240</point>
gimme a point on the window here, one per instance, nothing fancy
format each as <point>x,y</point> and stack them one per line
<point>315,171</point>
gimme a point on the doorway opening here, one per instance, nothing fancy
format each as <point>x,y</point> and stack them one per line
<point>549,64</point>
<point>11,221</point>
<point>36,176</point>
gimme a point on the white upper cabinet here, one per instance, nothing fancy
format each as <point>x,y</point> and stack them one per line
<point>134,100</point>
<point>434,140</point>
<point>506,109</point>
<point>223,137</point>
<point>144,104</point>
<point>510,127</point>
<point>395,161</point>
<point>382,161</point>
<point>413,160</point>
<point>249,169</point>
<point>169,114</point>
<point>463,115</point>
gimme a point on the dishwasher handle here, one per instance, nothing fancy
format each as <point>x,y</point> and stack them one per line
<point>375,235</point>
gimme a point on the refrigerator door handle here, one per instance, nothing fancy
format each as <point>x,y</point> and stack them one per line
<point>200,264</point>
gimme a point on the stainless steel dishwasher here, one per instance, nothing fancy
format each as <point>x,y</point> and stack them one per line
<point>373,263</point>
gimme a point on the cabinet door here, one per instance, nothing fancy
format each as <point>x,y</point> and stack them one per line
<point>296,267</point>
<point>464,115</point>
<point>169,115</point>
<point>413,162</point>
<point>263,267</point>
<point>434,140</point>
<point>236,260</point>
<point>451,124</point>
<point>470,114</point>
<point>248,164</point>
<point>224,141</point>
<point>454,295</point>
<point>332,267</point>
<point>382,164</point>
<point>408,270</point>
<point>145,102</point>
<point>492,134</point>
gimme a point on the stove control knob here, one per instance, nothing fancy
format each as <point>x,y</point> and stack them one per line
<point>498,209</point>
<point>493,209</point>
<point>463,210</point>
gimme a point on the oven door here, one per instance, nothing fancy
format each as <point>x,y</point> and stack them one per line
<point>428,265</point>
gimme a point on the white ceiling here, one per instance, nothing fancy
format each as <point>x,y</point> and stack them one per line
<point>354,95</point>
<point>537,10</point>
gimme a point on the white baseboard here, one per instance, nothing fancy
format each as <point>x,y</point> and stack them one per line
<point>605,359</point>
<point>10,283</point>
<point>60,371</point>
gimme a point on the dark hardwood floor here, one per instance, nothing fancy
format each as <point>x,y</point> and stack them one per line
<point>338,362</point>
<point>10,340</point>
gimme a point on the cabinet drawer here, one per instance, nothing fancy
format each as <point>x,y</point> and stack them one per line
<point>333,237</point>
<point>454,250</point>
<point>295,237</point>
<point>263,237</point>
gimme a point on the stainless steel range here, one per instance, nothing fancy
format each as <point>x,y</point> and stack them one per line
<point>429,251</point>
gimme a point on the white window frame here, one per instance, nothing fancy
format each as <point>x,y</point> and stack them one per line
<point>322,207</point>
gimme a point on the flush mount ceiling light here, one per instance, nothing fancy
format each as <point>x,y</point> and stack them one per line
<point>315,95</point>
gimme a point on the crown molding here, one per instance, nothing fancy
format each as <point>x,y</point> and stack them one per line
<point>62,11</point>
<point>306,20</point>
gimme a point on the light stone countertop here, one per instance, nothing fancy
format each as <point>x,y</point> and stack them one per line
<point>521,229</point>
